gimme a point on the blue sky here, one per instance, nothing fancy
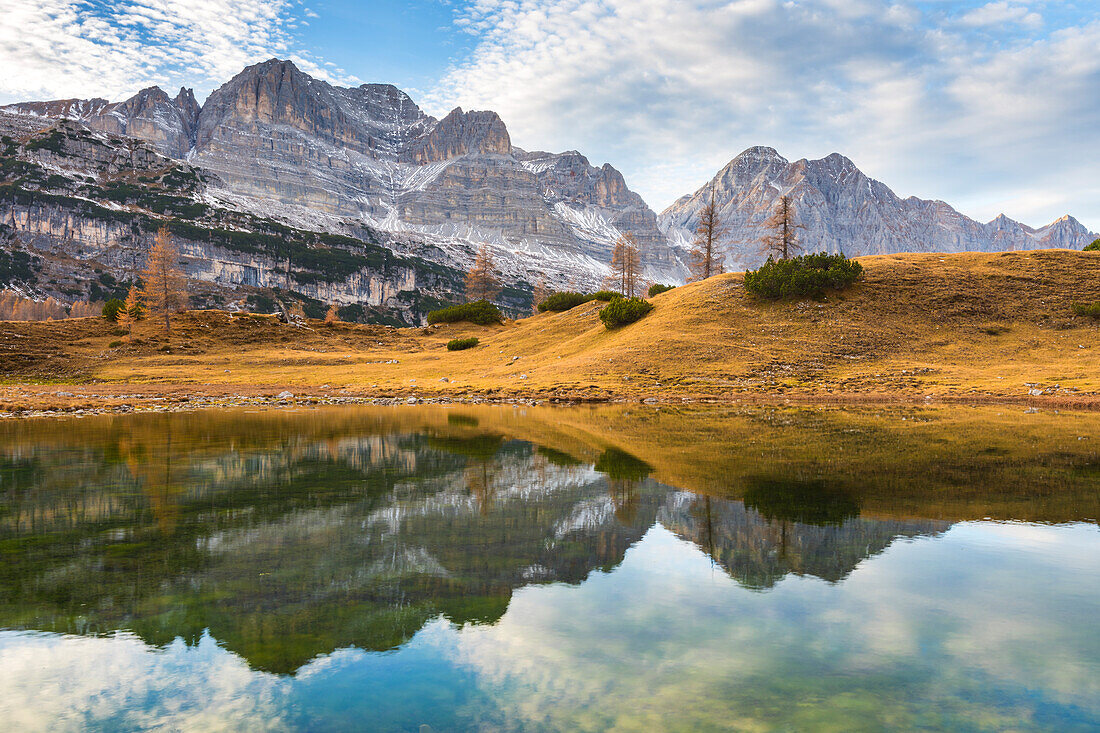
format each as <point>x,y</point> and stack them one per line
<point>992,106</point>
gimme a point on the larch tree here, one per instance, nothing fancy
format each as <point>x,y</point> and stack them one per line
<point>707,255</point>
<point>481,280</point>
<point>626,265</point>
<point>164,288</point>
<point>130,312</point>
<point>540,293</point>
<point>782,227</point>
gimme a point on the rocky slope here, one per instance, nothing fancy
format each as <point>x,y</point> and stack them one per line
<point>78,211</point>
<point>842,210</point>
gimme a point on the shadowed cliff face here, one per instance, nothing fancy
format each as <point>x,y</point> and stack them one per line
<point>285,536</point>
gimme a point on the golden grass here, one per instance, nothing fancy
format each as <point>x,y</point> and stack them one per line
<point>964,326</point>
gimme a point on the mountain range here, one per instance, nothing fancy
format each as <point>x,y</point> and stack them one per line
<point>356,196</point>
<point>841,210</point>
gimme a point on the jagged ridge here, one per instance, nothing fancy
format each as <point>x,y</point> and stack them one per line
<point>842,210</point>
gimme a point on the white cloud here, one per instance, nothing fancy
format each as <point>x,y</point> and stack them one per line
<point>1000,13</point>
<point>68,48</point>
<point>670,90</point>
<point>65,683</point>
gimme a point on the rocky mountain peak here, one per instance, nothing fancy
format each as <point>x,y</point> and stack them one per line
<point>758,153</point>
<point>464,133</point>
<point>186,100</point>
<point>838,166</point>
<point>756,158</point>
<point>749,164</point>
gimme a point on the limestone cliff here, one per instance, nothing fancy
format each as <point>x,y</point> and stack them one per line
<point>285,145</point>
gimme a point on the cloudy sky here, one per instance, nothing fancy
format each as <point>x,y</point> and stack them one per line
<point>991,106</point>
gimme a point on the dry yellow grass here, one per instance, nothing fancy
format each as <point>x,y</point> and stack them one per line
<point>965,326</point>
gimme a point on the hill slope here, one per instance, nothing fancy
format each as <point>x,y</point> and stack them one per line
<point>969,326</point>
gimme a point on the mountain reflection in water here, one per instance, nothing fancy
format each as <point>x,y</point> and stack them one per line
<point>288,536</point>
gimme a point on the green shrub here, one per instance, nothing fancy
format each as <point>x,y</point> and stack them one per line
<point>657,288</point>
<point>1092,310</point>
<point>137,312</point>
<point>808,275</point>
<point>563,301</point>
<point>112,308</point>
<point>462,344</point>
<point>604,295</point>
<point>1094,247</point>
<point>621,311</point>
<point>114,344</point>
<point>481,312</point>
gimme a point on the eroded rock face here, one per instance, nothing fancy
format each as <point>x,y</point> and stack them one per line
<point>276,134</point>
<point>597,205</point>
<point>842,210</point>
<point>275,101</point>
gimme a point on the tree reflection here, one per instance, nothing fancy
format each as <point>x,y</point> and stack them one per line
<point>783,499</point>
<point>623,471</point>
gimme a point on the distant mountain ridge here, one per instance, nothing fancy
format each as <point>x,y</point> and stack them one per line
<point>366,168</point>
<point>843,210</point>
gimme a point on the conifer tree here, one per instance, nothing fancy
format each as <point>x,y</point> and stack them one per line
<point>540,293</point>
<point>707,256</point>
<point>626,266</point>
<point>130,312</point>
<point>781,241</point>
<point>165,286</point>
<point>481,280</point>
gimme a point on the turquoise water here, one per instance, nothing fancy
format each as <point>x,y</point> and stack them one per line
<point>284,572</point>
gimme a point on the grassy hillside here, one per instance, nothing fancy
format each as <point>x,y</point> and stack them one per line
<point>970,326</point>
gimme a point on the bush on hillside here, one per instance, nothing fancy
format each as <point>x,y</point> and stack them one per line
<point>808,275</point>
<point>1091,310</point>
<point>462,344</point>
<point>1094,247</point>
<point>622,311</point>
<point>567,300</point>
<point>481,312</point>
<point>563,301</point>
<point>658,288</point>
<point>112,308</point>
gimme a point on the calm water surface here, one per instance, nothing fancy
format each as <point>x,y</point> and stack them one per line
<point>497,568</point>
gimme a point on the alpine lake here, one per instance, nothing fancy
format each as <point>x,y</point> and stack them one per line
<point>515,568</point>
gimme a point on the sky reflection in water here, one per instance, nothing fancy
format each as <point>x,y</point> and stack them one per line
<point>496,584</point>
